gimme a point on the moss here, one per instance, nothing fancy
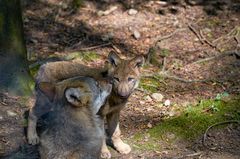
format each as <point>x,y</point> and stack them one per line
<point>149,84</point>
<point>192,122</point>
<point>213,22</point>
<point>77,3</point>
<point>165,52</point>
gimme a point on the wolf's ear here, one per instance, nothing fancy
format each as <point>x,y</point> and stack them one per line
<point>113,58</point>
<point>76,97</point>
<point>48,89</point>
<point>138,61</point>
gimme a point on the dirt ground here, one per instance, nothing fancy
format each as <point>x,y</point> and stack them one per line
<point>192,45</point>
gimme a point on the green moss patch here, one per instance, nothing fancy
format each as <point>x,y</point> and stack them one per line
<point>192,122</point>
<point>149,84</point>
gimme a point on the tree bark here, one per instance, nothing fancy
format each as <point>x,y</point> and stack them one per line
<point>14,73</point>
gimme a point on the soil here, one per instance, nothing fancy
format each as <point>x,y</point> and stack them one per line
<point>182,33</point>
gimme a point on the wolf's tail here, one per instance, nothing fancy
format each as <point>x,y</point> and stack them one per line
<point>24,152</point>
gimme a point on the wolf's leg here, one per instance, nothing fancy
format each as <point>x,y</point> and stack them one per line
<point>105,153</point>
<point>114,133</point>
<point>32,124</point>
<point>41,107</point>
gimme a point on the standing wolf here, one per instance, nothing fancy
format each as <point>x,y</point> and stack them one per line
<point>124,76</point>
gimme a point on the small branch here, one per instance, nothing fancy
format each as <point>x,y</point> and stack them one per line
<point>204,60</point>
<point>205,39</point>
<point>159,39</point>
<point>217,57</point>
<point>164,64</point>
<point>217,124</point>
<point>225,36</point>
<point>196,33</point>
<point>165,74</point>
<point>189,155</point>
<point>116,49</point>
<point>173,77</point>
<point>95,47</point>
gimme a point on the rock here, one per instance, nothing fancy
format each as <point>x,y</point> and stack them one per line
<point>1,117</point>
<point>141,102</point>
<point>157,97</point>
<point>132,11</point>
<point>171,113</point>
<point>149,125</point>
<point>161,3</point>
<point>11,113</point>
<point>136,34</point>
<point>148,98</point>
<point>167,102</point>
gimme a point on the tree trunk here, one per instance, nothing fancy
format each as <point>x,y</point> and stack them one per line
<point>14,73</point>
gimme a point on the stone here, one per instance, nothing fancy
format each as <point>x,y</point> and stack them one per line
<point>149,125</point>
<point>157,97</point>
<point>136,34</point>
<point>167,102</point>
<point>11,113</point>
<point>132,11</point>
<point>148,98</point>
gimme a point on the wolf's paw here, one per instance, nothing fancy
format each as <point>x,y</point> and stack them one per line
<point>33,139</point>
<point>122,147</point>
<point>105,153</point>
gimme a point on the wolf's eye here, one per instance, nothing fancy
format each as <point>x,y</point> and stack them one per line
<point>116,79</point>
<point>130,79</point>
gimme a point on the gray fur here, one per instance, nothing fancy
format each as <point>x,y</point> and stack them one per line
<point>74,130</point>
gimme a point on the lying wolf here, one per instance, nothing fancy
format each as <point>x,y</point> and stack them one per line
<point>74,130</point>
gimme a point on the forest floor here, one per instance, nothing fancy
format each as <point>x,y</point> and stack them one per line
<point>191,80</point>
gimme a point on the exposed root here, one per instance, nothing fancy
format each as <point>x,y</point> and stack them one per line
<point>216,124</point>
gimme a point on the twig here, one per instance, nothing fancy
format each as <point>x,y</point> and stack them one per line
<point>165,74</point>
<point>170,35</point>
<point>173,77</point>
<point>205,60</point>
<point>194,154</point>
<point>217,124</point>
<point>224,36</point>
<point>237,38</point>
<point>116,49</point>
<point>164,64</point>
<point>189,155</point>
<point>94,47</point>
<point>216,57</point>
<point>196,33</point>
<point>206,41</point>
